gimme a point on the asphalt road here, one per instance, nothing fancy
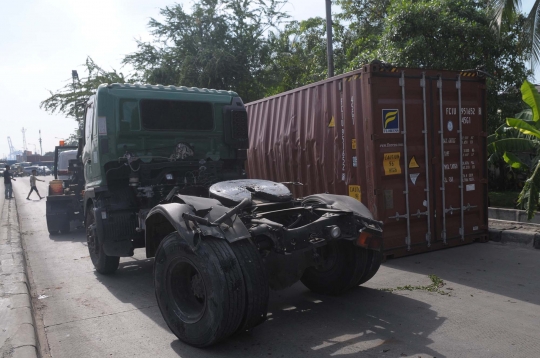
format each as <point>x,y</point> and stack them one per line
<point>491,309</point>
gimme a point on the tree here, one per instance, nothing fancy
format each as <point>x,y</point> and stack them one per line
<point>457,35</point>
<point>366,20</point>
<point>504,13</point>
<point>71,99</point>
<point>220,45</point>
<point>521,135</point>
<point>298,55</point>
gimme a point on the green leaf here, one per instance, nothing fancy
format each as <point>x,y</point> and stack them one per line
<point>525,115</point>
<point>511,145</point>
<point>512,160</point>
<point>530,95</point>
<point>523,126</point>
<point>530,193</point>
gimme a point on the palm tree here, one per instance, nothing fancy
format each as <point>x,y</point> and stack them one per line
<point>503,13</point>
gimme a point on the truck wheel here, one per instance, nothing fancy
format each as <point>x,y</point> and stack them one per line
<point>374,260</point>
<point>64,229</point>
<point>103,263</point>
<point>256,283</point>
<point>200,292</point>
<point>343,266</point>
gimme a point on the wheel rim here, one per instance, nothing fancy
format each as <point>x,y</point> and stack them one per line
<point>185,286</point>
<point>329,258</point>
<point>91,237</point>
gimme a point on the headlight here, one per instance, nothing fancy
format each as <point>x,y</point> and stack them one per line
<point>334,231</point>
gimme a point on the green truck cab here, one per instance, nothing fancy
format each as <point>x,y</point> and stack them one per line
<point>141,141</point>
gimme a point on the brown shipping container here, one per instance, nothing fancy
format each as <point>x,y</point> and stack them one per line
<point>408,143</point>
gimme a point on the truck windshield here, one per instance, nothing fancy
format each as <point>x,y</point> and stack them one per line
<point>176,115</point>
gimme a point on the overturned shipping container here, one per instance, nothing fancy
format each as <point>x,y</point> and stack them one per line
<point>408,143</point>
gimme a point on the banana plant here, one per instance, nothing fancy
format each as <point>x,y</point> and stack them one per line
<point>519,135</point>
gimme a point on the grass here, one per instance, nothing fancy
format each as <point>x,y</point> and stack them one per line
<point>503,199</point>
<point>436,286</point>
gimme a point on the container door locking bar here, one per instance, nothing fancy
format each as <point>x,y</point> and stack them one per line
<point>462,227</point>
<point>405,160</point>
<point>441,132</point>
<point>425,131</point>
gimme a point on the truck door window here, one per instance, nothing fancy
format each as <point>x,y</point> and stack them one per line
<point>169,115</point>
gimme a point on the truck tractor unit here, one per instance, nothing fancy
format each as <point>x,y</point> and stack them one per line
<point>64,197</point>
<point>164,170</point>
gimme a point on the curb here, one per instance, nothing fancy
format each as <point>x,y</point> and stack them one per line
<point>525,239</point>
<point>18,335</point>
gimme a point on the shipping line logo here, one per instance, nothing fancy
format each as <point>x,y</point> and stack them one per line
<point>390,120</point>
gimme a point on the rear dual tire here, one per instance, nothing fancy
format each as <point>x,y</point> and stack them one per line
<point>209,292</point>
<point>343,266</point>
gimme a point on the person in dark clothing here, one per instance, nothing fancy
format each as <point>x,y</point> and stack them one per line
<point>8,177</point>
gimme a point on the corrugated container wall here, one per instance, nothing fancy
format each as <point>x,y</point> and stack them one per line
<point>408,143</point>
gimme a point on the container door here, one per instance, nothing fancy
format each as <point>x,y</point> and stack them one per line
<point>459,160</point>
<point>401,152</point>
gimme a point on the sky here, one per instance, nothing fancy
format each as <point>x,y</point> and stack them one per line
<point>41,41</point>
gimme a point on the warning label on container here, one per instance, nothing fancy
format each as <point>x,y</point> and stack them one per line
<point>413,163</point>
<point>391,163</point>
<point>354,144</point>
<point>354,191</point>
<point>332,123</point>
<point>390,120</point>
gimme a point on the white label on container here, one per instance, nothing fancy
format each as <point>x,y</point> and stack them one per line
<point>450,126</point>
<point>102,125</point>
<point>414,177</point>
<point>475,228</point>
<point>469,187</point>
<point>354,162</point>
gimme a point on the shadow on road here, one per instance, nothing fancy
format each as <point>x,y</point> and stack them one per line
<point>75,235</point>
<point>364,321</point>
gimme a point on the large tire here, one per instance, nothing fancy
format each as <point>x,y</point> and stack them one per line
<point>103,263</point>
<point>64,229</point>
<point>374,260</point>
<point>256,284</point>
<point>200,292</point>
<point>343,267</point>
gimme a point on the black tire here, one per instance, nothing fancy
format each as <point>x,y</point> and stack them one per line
<point>256,284</point>
<point>200,292</point>
<point>374,260</point>
<point>103,263</point>
<point>343,267</point>
<point>64,229</point>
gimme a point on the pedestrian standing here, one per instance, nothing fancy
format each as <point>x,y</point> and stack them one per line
<point>8,188</point>
<point>33,185</point>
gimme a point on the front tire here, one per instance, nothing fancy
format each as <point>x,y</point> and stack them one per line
<point>103,263</point>
<point>200,292</point>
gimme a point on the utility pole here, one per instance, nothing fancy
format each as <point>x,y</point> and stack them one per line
<point>329,44</point>
<point>40,146</point>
